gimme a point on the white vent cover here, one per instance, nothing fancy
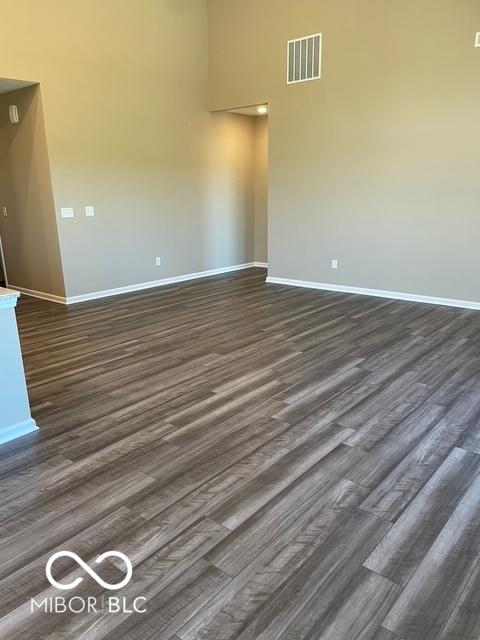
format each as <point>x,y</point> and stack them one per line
<point>304,59</point>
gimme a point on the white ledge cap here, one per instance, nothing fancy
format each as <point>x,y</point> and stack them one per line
<point>8,298</point>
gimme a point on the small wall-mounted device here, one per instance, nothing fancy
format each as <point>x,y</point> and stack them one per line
<point>13,113</point>
<point>477,40</point>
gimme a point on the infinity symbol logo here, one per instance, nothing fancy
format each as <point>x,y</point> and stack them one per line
<point>87,569</point>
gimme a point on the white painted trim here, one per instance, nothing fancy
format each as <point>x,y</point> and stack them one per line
<point>8,298</point>
<point>95,295</point>
<point>17,430</point>
<point>378,293</point>
<point>157,283</point>
<point>41,294</point>
<point>2,261</point>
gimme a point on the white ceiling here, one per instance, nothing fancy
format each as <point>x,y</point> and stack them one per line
<point>10,85</point>
<point>248,111</point>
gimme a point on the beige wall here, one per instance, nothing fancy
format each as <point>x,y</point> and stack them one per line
<point>29,233</point>
<point>125,90</point>
<point>261,188</point>
<point>377,163</point>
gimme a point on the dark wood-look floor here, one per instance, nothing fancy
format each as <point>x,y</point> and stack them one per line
<point>278,464</point>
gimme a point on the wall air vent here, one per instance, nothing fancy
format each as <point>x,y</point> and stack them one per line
<point>304,59</point>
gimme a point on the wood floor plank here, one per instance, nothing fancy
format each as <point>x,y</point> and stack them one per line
<point>384,634</point>
<point>430,597</point>
<point>404,547</point>
<point>322,483</point>
<point>309,592</point>
<point>397,489</point>
<point>464,621</point>
<point>231,612</point>
<point>364,604</point>
<point>276,478</point>
<point>174,605</point>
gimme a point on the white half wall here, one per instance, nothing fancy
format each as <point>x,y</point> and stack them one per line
<point>15,418</point>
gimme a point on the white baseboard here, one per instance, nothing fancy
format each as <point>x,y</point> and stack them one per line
<point>8,300</point>
<point>378,293</point>
<point>95,295</point>
<point>158,283</point>
<point>17,430</point>
<point>39,294</point>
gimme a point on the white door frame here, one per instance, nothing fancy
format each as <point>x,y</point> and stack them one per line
<point>2,260</point>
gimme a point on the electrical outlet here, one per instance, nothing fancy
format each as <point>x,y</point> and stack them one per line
<point>89,212</point>
<point>5,212</point>
<point>67,212</point>
<point>158,261</point>
<point>334,264</point>
<point>477,40</point>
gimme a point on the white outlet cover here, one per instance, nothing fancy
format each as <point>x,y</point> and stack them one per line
<point>477,40</point>
<point>158,261</point>
<point>5,211</point>
<point>67,212</point>
<point>90,211</point>
<point>334,264</point>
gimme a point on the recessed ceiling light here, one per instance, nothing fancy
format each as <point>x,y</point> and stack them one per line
<point>262,110</point>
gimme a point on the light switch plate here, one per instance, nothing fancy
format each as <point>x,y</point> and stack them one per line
<point>67,212</point>
<point>89,211</point>
<point>477,40</point>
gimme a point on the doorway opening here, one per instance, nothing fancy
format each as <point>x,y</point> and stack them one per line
<point>29,245</point>
<point>9,118</point>
<point>244,169</point>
